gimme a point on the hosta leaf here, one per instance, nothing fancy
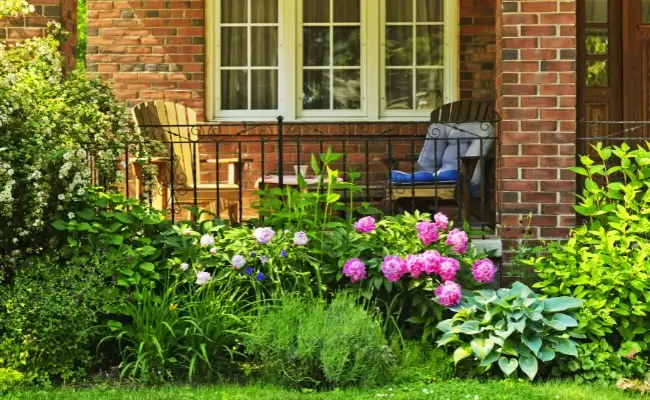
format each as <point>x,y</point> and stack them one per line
<point>507,332</point>
<point>462,352</point>
<point>563,303</point>
<point>447,338</point>
<point>533,342</point>
<point>444,326</point>
<point>509,348</point>
<point>518,325</point>
<point>567,320</point>
<point>482,347</point>
<point>489,359</point>
<point>470,328</point>
<point>557,325</point>
<point>529,366</point>
<point>566,346</point>
<point>546,354</point>
<point>508,366</point>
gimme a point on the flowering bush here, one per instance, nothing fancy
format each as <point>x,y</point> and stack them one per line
<point>51,125</point>
<point>12,8</point>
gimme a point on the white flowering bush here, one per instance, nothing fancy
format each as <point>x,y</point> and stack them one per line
<point>53,127</point>
<point>12,8</point>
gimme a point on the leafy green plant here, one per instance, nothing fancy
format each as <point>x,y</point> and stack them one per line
<point>420,362</point>
<point>49,310</point>
<point>512,327</point>
<point>307,344</point>
<point>9,379</point>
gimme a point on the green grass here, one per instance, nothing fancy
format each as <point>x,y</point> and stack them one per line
<point>453,390</point>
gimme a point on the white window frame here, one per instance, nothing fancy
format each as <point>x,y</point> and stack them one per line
<point>290,68</point>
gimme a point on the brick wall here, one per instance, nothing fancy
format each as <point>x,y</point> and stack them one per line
<point>63,11</point>
<point>150,49</point>
<point>536,95</point>
<point>477,49</point>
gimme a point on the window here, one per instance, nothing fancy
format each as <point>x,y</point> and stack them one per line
<point>330,59</point>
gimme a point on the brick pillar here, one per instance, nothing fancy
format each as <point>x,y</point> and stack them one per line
<point>477,49</point>
<point>63,11</point>
<point>536,96</point>
<point>150,50</point>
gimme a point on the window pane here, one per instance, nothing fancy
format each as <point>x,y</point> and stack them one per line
<point>347,46</point>
<point>233,47</point>
<point>399,42</point>
<point>596,40</point>
<point>399,10</point>
<point>597,73</point>
<point>234,90</point>
<point>347,11</point>
<point>596,10</point>
<point>315,11</point>
<point>264,89</point>
<point>264,46</point>
<point>399,89</point>
<point>316,46</point>
<point>264,11</point>
<point>430,45</point>
<point>429,10</point>
<point>646,11</point>
<point>316,89</point>
<point>347,89</point>
<point>430,89</point>
<point>234,11</point>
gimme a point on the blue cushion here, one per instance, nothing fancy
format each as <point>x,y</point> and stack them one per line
<point>399,177</point>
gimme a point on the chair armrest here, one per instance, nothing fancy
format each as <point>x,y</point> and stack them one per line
<point>234,167</point>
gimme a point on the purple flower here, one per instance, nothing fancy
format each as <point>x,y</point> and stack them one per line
<point>283,254</point>
<point>253,254</point>
<point>264,259</point>
<point>427,232</point>
<point>432,260</point>
<point>300,239</point>
<point>449,294</point>
<point>249,271</point>
<point>484,270</point>
<point>416,265</point>
<point>365,225</point>
<point>394,268</point>
<point>263,235</point>
<point>457,239</point>
<point>448,268</point>
<point>238,261</point>
<point>260,276</point>
<point>354,269</point>
<point>202,278</point>
<point>207,240</point>
<point>442,222</point>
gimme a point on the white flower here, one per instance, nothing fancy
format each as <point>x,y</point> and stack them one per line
<point>213,251</point>
<point>202,278</point>
<point>184,266</point>
<point>300,239</point>
<point>61,197</point>
<point>80,192</point>
<point>15,240</point>
<point>81,153</point>
<point>207,240</point>
<point>70,215</point>
<point>238,261</point>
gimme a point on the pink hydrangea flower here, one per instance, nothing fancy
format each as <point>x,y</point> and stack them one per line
<point>365,225</point>
<point>416,265</point>
<point>394,268</point>
<point>448,268</point>
<point>263,235</point>
<point>355,269</point>
<point>458,239</point>
<point>432,260</point>
<point>449,294</point>
<point>427,232</point>
<point>484,270</point>
<point>442,222</point>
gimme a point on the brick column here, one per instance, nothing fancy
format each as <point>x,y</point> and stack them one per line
<point>63,11</point>
<point>536,96</point>
<point>149,49</point>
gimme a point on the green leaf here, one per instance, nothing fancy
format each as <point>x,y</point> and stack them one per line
<point>563,303</point>
<point>509,348</point>
<point>72,241</point>
<point>123,217</point>
<point>566,346</point>
<point>60,225</point>
<point>444,326</point>
<point>629,348</point>
<point>87,214</point>
<point>470,328</point>
<point>529,366</point>
<point>490,359</point>
<point>147,266</point>
<point>533,342</point>
<point>546,354</point>
<point>566,320</point>
<point>116,240</point>
<point>126,271</point>
<point>462,352</point>
<point>557,325</point>
<point>482,347</point>
<point>508,366</point>
<point>447,338</point>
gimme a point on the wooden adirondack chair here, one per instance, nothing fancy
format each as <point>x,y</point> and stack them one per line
<point>459,112</point>
<point>178,191</point>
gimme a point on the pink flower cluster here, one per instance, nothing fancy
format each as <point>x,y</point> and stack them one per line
<point>365,225</point>
<point>458,239</point>
<point>449,294</point>
<point>427,232</point>
<point>484,271</point>
<point>355,269</point>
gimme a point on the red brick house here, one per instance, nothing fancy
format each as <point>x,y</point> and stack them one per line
<point>545,64</point>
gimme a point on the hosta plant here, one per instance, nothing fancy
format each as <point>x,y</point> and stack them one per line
<point>513,328</point>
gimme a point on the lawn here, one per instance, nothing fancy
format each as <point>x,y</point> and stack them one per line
<point>502,390</point>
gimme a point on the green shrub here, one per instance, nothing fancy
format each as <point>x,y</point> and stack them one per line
<point>9,378</point>
<point>513,328</point>
<point>420,362</point>
<point>306,344</point>
<point>48,313</point>
<point>605,263</point>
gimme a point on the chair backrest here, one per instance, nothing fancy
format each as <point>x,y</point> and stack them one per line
<point>464,111</point>
<point>172,123</point>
